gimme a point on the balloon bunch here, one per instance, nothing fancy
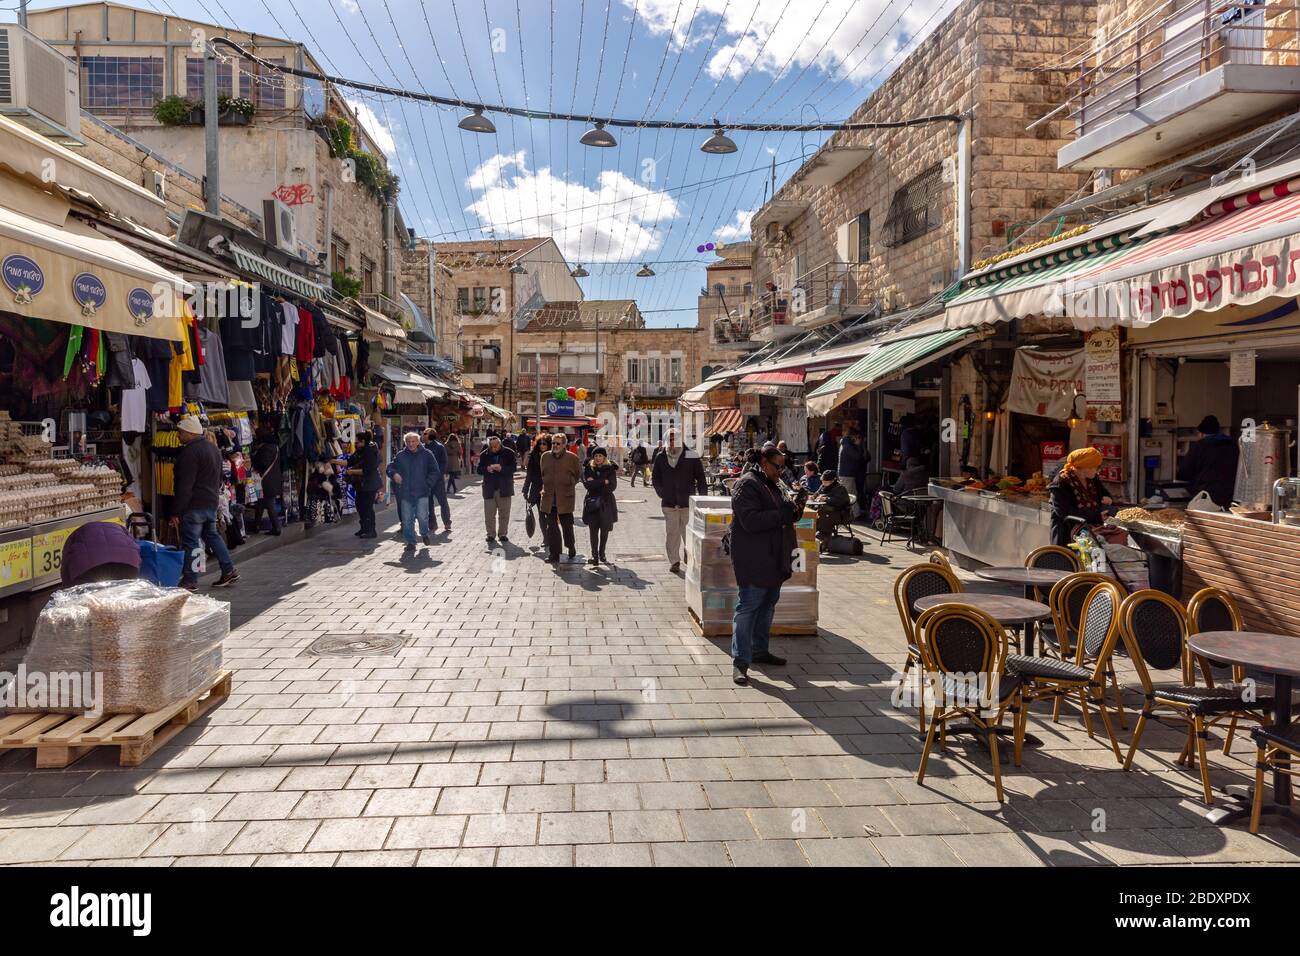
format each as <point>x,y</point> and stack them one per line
<point>560,393</point>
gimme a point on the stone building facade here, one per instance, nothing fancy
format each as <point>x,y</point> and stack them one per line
<point>132,58</point>
<point>898,208</point>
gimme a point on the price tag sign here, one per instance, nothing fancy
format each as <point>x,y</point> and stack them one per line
<point>47,551</point>
<point>15,563</point>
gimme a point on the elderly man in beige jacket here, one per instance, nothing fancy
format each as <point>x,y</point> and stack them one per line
<point>560,476</point>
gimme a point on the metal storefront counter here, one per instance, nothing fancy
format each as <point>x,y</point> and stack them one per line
<point>991,530</point>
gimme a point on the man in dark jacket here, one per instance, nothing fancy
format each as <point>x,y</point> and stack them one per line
<point>363,470</point>
<point>496,464</point>
<point>677,473</point>
<point>196,492</point>
<point>637,462</point>
<point>832,507</point>
<point>439,450</point>
<point>762,553</point>
<point>853,465</point>
<point>522,444</point>
<point>1210,465</point>
<point>414,472</point>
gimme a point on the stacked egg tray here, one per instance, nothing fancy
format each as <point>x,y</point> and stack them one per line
<point>53,490</point>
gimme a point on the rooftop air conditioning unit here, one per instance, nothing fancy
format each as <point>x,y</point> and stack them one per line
<point>39,87</point>
<point>280,226</point>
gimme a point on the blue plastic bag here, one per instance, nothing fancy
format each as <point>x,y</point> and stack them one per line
<point>160,564</point>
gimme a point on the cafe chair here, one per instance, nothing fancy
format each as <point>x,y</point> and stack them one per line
<point>1067,599</point>
<point>938,557</point>
<point>916,582</point>
<point>1154,627</point>
<point>894,521</point>
<point>964,654</point>
<point>1052,557</point>
<point>1276,749</point>
<point>1098,633</point>
<point>1213,609</point>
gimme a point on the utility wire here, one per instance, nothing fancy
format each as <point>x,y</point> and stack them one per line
<point>401,93</point>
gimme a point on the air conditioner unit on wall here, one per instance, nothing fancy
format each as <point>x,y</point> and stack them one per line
<point>39,87</point>
<point>279,226</point>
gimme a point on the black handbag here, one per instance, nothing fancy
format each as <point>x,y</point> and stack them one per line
<point>530,521</point>
<point>591,510</point>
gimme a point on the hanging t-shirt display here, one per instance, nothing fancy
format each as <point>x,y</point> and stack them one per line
<point>134,417</point>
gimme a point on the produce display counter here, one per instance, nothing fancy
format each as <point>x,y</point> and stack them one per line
<point>992,528</point>
<point>31,556</point>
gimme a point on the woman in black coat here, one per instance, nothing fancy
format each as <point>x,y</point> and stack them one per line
<point>533,470</point>
<point>1077,492</point>
<point>265,460</point>
<point>762,553</point>
<point>600,510</point>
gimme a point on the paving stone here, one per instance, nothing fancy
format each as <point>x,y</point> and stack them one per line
<point>501,829</point>
<point>574,828</point>
<point>766,853</point>
<point>646,826</point>
<point>613,854</point>
<point>341,835</point>
<point>690,854</point>
<point>844,852</point>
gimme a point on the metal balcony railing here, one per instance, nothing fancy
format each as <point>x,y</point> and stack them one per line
<point>1173,44</point>
<point>727,329</point>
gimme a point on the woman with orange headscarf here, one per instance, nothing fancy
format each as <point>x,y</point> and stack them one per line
<point>1077,492</point>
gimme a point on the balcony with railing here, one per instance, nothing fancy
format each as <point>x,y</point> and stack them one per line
<point>1182,74</point>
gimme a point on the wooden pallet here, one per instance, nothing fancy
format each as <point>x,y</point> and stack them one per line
<point>60,739</point>
<point>777,630</point>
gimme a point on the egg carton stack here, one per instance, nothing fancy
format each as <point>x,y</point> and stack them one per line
<point>105,486</point>
<point>24,497</point>
<point>20,440</point>
<point>711,591</point>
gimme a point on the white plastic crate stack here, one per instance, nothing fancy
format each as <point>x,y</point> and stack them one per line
<point>711,591</point>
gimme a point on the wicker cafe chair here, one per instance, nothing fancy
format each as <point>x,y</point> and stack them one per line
<point>1154,627</point>
<point>1213,609</point>
<point>1275,749</point>
<point>1067,600</point>
<point>938,557</point>
<point>916,582</point>
<point>1098,631</point>
<point>964,653</point>
<point>1052,557</point>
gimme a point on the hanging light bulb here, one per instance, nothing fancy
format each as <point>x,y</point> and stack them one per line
<point>645,271</point>
<point>476,122</point>
<point>719,143</point>
<point>598,136</point>
<point>580,273</point>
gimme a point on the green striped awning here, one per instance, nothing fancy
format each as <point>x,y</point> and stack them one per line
<point>886,362</point>
<point>250,262</point>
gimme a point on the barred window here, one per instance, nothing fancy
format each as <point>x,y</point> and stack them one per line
<point>915,208</point>
<point>264,88</point>
<point>121,82</point>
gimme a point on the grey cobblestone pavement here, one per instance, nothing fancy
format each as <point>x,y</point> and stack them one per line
<point>543,716</point>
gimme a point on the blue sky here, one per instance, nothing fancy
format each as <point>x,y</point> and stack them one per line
<point>653,198</point>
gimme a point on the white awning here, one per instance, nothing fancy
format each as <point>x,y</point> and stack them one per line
<point>73,274</point>
<point>380,327</point>
<point>251,262</point>
<point>411,388</point>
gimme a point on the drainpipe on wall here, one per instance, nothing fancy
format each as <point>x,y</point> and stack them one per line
<point>390,277</point>
<point>965,133</point>
<point>328,242</point>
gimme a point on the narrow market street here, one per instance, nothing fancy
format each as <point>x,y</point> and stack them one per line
<point>534,715</point>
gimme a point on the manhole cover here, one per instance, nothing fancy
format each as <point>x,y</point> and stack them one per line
<point>355,645</point>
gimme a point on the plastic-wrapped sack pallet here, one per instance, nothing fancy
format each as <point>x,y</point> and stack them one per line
<point>717,606</point>
<point>709,565</point>
<point>153,646</point>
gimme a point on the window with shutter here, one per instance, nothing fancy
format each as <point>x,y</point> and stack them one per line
<point>915,208</point>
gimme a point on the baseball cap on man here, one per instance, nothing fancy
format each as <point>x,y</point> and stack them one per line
<point>190,425</point>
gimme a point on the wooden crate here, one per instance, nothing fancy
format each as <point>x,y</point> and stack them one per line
<point>777,630</point>
<point>60,739</point>
<point>1254,561</point>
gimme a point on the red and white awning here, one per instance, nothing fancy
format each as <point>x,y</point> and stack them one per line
<point>726,421</point>
<point>1247,253</point>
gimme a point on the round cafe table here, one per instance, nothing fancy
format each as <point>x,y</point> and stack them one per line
<point>1275,654</point>
<point>1003,609</point>
<point>1027,578</point>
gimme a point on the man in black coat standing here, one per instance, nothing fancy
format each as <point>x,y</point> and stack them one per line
<point>363,471</point>
<point>1210,465</point>
<point>762,553</point>
<point>676,474</point>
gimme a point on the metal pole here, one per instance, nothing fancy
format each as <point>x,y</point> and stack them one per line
<point>22,13</point>
<point>212,179</point>
<point>537,409</point>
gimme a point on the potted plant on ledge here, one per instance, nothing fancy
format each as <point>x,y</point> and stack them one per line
<point>234,110</point>
<point>178,111</point>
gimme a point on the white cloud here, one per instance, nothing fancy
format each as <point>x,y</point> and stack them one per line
<point>351,6</point>
<point>737,231</point>
<point>376,128</point>
<point>840,36</point>
<point>613,222</point>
